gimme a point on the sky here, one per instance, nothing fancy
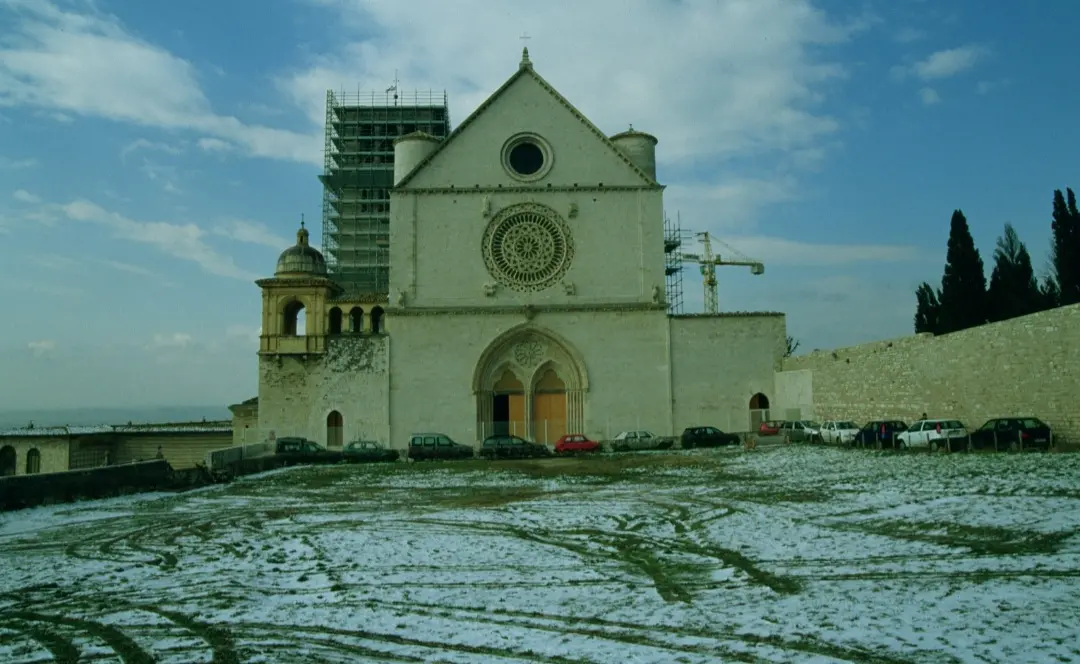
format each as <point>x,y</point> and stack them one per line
<point>155,158</point>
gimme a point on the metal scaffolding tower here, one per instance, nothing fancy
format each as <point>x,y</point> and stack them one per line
<point>358,173</point>
<point>673,277</point>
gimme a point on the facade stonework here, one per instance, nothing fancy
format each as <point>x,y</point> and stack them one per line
<point>59,449</point>
<point>46,454</point>
<point>1024,366</point>
<point>526,296</point>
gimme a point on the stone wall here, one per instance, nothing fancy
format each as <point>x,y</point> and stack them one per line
<point>245,422</point>
<point>1024,366</point>
<point>719,362</point>
<point>56,487</point>
<point>181,450</point>
<point>53,449</point>
<point>297,392</point>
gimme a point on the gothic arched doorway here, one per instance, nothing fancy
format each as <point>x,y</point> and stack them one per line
<point>335,430</point>
<point>530,375</point>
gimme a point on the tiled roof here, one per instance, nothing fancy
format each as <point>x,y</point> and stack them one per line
<point>177,427</point>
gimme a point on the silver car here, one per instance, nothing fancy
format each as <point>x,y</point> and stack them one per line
<point>800,431</point>
<point>640,439</point>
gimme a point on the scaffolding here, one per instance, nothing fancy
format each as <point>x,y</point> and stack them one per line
<point>358,173</point>
<point>673,263</point>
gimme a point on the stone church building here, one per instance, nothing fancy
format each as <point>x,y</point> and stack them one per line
<point>527,294</point>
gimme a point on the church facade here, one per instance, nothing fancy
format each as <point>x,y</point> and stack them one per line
<point>526,295</point>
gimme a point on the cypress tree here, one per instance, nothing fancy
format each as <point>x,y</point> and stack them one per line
<point>1051,298</point>
<point>1065,250</point>
<point>962,297</point>
<point>1013,289</point>
<point>927,310</point>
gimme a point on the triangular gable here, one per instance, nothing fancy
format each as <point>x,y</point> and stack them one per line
<point>526,69</point>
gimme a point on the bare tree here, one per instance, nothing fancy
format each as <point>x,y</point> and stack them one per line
<point>792,346</point>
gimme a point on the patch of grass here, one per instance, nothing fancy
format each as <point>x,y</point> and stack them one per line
<point>130,651</point>
<point>771,497</point>
<point>603,466</point>
<point>985,540</point>
<point>484,497</point>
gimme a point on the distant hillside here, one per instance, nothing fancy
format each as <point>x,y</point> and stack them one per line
<point>90,416</point>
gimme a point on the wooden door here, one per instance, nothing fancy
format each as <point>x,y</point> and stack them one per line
<point>549,416</point>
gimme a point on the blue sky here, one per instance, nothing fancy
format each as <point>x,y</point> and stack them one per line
<point>156,157</point>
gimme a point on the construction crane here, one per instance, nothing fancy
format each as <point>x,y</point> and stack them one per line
<point>708,262</point>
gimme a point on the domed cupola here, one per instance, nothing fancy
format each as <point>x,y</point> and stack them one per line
<point>301,259</point>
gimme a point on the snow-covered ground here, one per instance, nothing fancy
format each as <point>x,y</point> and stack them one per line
<point>795,554</point>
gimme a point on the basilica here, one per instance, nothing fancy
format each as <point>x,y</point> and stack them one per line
<point>526,294</point>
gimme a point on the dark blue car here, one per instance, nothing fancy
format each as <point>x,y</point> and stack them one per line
<point>879,433</point>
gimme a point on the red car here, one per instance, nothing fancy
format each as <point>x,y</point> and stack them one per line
<point>573,443</point>
<point>770,428</point>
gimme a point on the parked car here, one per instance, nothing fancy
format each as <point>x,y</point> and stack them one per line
<point>640,440</point>
<point>879,433</point>
<point>770,427</point>
<point>934,435</point>
<point>707,437</point>
<point>799,431</point>
<point>575,443</point>
<point>1013,434</point>
<point>838,432</point>
<point>368,451</point>
<point>301,449</point>
<point>507,446</point>
<point>431,446</point>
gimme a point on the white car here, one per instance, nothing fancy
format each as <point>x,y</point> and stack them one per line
<point>640,439</point>
<point>934,434</point>
<point>838,432</point>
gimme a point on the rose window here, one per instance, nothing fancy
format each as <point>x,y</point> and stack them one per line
<point>528,248</point>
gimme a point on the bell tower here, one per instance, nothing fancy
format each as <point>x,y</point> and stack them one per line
<point>294,307</point>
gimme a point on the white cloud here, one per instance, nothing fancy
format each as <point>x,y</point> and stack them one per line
<point>42,347</point>
<point>734,203</point>
<point>244,333</point>
<point>174,340</point>
<point>166,176</point>
<point>252,232</point>
<point>24,196</point>
<point>9,164</point>
<point>779,251</point>
<point>144,144</point>
<point>215,145</point>
<point>714,81</point>
<point>184,241</point>
<point>90,65</point>
<point>929,96</point>
<point>908,35</point>
<point>944,64</point>
<point>127,267</point>
<point>986,87</point>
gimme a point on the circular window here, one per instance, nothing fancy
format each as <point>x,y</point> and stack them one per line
<point>528,247</point>
<point>527,157</point>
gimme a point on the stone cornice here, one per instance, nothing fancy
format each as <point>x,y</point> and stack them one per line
<point>299,282</point>
<point>733,314</point>
<point>478,189</point>
<point>526,310</point>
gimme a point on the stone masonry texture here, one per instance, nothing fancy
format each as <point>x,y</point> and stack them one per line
<point>1024,366</point>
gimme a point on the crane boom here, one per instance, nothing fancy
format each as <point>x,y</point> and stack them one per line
<point>708,262</point>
